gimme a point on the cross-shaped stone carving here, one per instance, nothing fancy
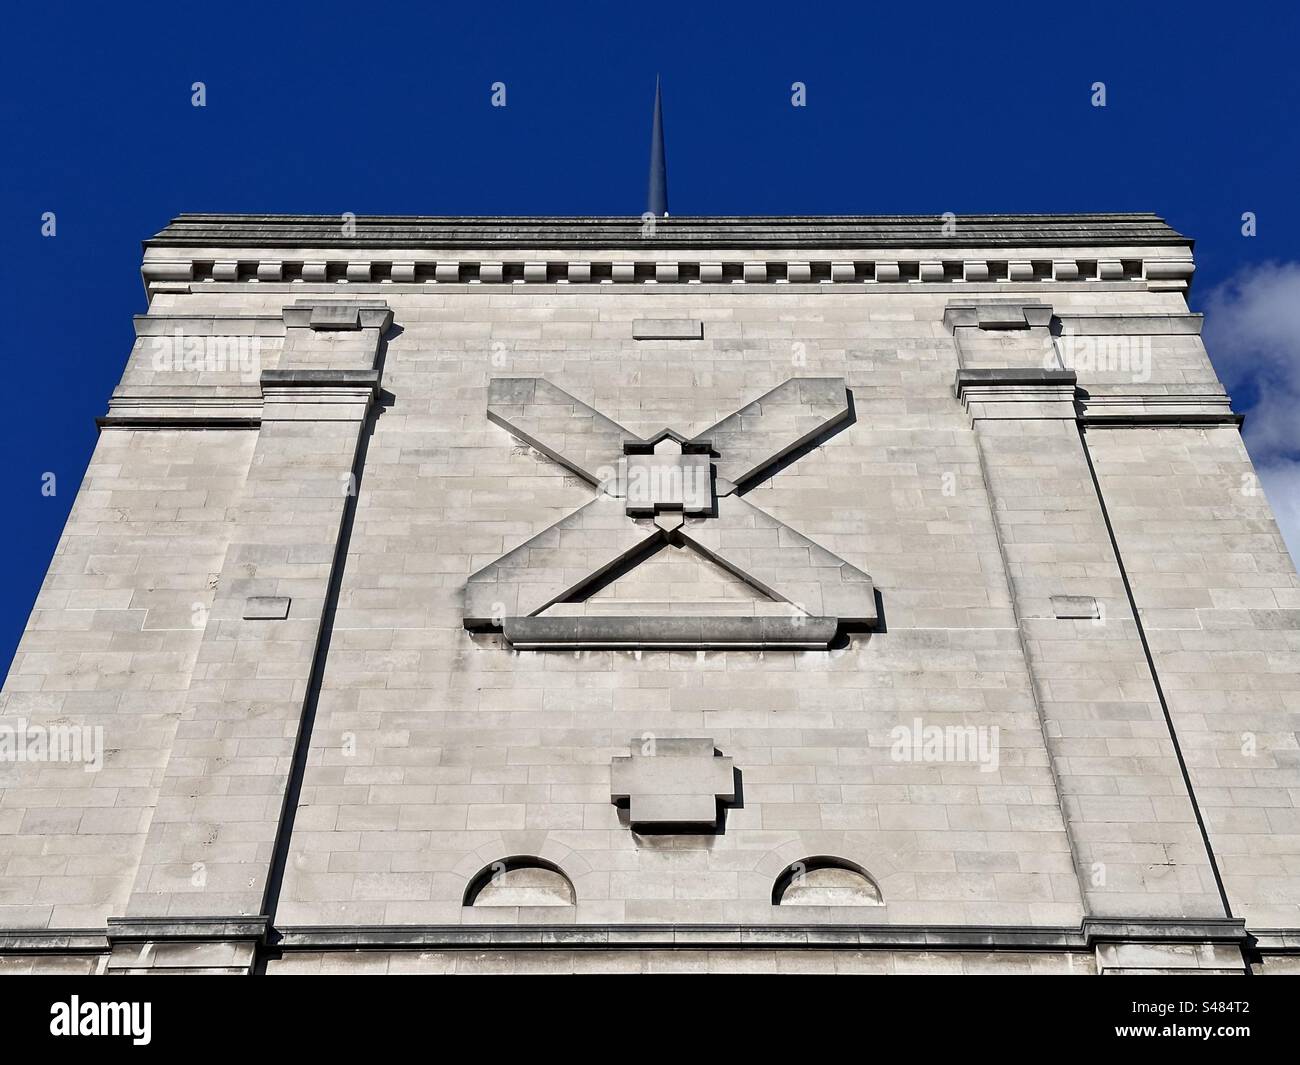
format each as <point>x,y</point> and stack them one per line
<point>687,492</point>
<point>671,782</point>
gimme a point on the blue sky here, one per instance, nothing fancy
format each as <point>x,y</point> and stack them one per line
<point>384,108</point>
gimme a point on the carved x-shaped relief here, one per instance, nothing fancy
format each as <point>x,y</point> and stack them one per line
<point>686,492</point>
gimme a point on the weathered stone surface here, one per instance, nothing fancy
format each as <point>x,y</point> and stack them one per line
<point>759,435</point>
<point>690,632</point>
<point>267,607</point>
<point>667,328</point>
<point>555,564</point>
<point>667,479</point>
<point>561,427</point>
<point>783,563</point>
<point>1075,606</point>
<point>670,781</point>
<point>980,504</point>
<point>669,474</point>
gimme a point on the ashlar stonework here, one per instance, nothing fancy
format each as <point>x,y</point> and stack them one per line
<point>793,594</point>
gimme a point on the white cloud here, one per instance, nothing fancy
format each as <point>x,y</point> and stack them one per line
<point>1252,330</point>
<point>1281,481</point>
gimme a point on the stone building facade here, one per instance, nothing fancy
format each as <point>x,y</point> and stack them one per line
<point>881,594</point>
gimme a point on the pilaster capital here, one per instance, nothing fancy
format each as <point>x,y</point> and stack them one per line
<point>334,316</point>
<point>1017,393</point>
<point>331,359</point>
<point>1002,314</point>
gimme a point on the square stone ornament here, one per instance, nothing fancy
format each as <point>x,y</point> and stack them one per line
<point>669,782</point>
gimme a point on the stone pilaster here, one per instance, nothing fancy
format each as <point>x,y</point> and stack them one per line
<point>1137,844</point>
<point>212,842</point>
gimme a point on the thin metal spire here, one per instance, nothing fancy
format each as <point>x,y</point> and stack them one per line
<point>657,200</point>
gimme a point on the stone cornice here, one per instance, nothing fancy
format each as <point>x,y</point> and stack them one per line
<point>176,270</point>
<point>53,941</point>
<point>1125,409</point>
<point>887,249</point>
<point>314,378</point>
<point>1013,376</point>
<point>128,929</point>
<point>985,390</point>
<point>760,231</point>
<point>191,412</point>
<point>1128,323</point>
<point>791,937</point>
<point>1086,936</point>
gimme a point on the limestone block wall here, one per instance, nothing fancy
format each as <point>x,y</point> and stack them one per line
<point>1221,604</point>
<point>1018,598</point>
<point>110,645</point>
<point>437,752</point>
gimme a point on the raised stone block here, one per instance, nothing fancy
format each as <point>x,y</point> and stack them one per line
<point>667,329</point>
<point>266,607</point>
<point>1169,269</point>
<point>666,478</point>
<point>1001,316</point>
<point>558,425</point>
<point>781,421</point>
<point>1173,275</point>
<point>682,632</point>
<point>671,781</point>
<point>334,316</point>
<point>1075,606</point>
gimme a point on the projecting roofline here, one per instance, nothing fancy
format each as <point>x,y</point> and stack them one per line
<point>759,231</point>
